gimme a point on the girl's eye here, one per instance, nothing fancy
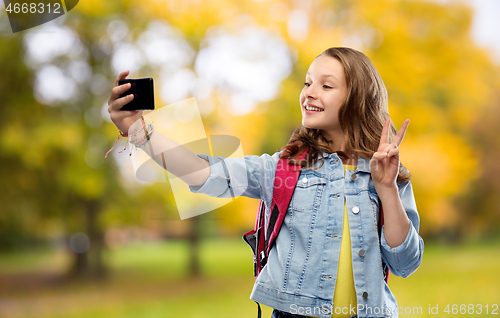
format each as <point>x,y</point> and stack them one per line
<point>307,84</point>
<point>326,86</point>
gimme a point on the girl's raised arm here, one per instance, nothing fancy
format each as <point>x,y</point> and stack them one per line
<point>173,157</point>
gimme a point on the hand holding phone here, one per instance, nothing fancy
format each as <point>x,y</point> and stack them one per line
<point>122,119</point>
<point>143,91</point>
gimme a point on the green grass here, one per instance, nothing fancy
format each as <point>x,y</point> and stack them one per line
<point>468,274</point>
<point>149,280</point>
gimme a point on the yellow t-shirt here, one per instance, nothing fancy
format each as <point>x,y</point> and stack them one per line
<point>345,293</point>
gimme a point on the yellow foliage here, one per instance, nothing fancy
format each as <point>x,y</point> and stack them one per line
<point>442,214</point>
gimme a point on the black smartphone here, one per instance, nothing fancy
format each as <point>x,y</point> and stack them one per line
<point>143,91</point>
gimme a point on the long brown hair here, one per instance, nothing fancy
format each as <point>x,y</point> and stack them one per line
<point>361,116</point>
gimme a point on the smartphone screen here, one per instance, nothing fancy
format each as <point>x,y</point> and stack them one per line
<point>143,91</point>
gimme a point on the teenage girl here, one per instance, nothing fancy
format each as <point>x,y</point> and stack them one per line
<point>327,260</point>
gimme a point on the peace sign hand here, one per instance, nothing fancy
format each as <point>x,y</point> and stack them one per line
<point>384,164</point>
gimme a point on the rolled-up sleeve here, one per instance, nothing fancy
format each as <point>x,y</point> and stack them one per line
<point>404,259</point>
<point>250,176</point>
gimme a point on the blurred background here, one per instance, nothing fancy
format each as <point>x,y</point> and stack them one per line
<point>81,237</point>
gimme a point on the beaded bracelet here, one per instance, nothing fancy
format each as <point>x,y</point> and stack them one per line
<point>141,142</point>
<point>139,129</point>
<point>129,137</point>
<point>145,140</point>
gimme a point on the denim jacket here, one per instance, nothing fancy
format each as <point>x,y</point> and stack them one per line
<point>301,271</point>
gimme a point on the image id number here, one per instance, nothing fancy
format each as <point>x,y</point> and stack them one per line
<point>470,309</point>
<point>33,8</point>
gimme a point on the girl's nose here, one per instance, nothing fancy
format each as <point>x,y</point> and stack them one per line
<point>310,92</point>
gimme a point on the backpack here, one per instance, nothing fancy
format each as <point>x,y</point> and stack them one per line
<point>261,238</point>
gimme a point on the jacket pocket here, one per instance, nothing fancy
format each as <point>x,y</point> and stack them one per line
<point>307,193</point>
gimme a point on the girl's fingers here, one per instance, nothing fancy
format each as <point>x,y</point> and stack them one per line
<point>120,102</point>
<point>123,75</point>
<point>390,151</point>
<point>401,133</point>
<point>379,155</point>
<point>389,147</point>
<point>393,153</point>
<point>118,90</point>
<point>384,137</point>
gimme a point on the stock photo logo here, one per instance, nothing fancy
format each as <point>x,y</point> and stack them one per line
<point>26,14</point>
<point>181,122</point>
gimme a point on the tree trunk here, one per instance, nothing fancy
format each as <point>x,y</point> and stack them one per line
<point>80,264</point>
<point>88,263</point>
<point>96,235</point>
<point>193,245</point>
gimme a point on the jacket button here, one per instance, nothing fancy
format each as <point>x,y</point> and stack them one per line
<point>361,252</point>
<point>355,210</point>
<point>354,177</point>
<point>304,180</point>
<point>365,295</point>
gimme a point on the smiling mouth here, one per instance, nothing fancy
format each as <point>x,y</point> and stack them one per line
<point>315,109</point>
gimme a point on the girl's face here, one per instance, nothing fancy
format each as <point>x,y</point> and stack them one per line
<point>325,88</point>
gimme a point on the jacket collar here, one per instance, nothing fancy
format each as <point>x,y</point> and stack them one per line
<point>363,164</point>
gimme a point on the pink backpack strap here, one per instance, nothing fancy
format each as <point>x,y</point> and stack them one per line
<point>255,238</point>
<point>385,268</point>
<point>284,184</point>
<point>260,239</point>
